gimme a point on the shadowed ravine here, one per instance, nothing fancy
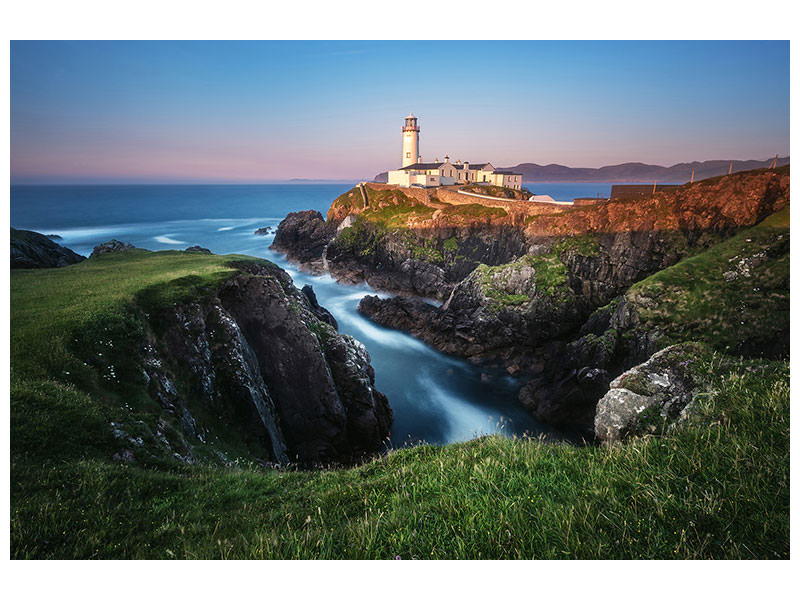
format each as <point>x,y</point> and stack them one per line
<point>435,398</point>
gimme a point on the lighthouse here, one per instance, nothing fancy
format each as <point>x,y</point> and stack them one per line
<point>410,141</point>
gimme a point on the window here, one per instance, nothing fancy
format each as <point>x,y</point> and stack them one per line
<point>408,154</point>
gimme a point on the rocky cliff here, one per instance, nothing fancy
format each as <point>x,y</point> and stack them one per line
<point>520,282</point>
<point>207,357</point>
<point>260,354</point>
<point>734,297</point>
<point>32,250</point>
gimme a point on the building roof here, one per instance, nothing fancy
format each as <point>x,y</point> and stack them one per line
<point>472,166</point>
<point>506,172</point>
<point>462,166</point>
<point>422,166</point>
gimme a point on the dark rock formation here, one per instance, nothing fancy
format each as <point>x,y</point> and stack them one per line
<point>257,354</point>
<point>526,290</point>
<point>31,250</point>
<point>263,231</point>
<point>320,312</point>
<point>109,247</point>
<point>406,314</point>
<point>648,397</point>
<point>426,262</point>
<point>198,250</point>
<point>303,236</point>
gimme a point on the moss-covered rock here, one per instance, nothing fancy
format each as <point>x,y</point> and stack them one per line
<point>651,396</point>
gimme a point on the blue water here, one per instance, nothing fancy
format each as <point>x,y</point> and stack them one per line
<point>435,398</point>
<point>564,192</point>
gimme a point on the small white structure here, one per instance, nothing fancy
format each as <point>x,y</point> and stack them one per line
<point>410,141</point>
<point>414,172</point>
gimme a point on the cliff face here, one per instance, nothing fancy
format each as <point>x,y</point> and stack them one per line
<point>734,297</point>
<point>258,354</point>
<point>520,282</point>
<point>402,240</point>
<point>32,250</point>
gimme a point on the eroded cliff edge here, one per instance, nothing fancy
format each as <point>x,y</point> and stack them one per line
<point>234,360</point>
<point>520,283</point>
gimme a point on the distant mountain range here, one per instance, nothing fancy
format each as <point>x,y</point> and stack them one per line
<point>633,171</point>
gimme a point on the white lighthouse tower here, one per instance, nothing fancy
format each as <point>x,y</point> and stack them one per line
<point>410,141</point>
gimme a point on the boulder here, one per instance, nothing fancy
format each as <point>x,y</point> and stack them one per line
<point>650,396</point>
<point>303,236</point>
<point>198,250</point>
<point>32,250</point>
<point>109,247</point>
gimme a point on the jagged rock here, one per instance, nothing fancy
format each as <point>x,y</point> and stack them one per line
<point>526,291</point>
<point>399,312</point>
<point>647,397</point>
<point>32,250</point>
<point>109,247</point>
<point>303,236</point>
<point>263,231</point>
<point>198,250</point>
<point>322,313</point>
<point>259,355</point>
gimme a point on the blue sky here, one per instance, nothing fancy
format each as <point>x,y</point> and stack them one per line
<point>259,111</point>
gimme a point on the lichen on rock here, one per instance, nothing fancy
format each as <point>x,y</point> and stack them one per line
<point>650,396</point>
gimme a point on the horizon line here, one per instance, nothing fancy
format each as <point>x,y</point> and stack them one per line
<point>121,180</point>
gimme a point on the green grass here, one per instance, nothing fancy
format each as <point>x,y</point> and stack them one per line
<point>715,297</point>
<point>719,490</point>
<point>396,216</point>
<point>49,305</point>
<point>585,245</point>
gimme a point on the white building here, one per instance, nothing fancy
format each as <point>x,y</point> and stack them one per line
<point>414,172</point>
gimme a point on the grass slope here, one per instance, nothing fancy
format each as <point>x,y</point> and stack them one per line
<point>719,490</point>
<point>734,296</point>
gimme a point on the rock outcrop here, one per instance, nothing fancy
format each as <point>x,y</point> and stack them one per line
<point>304,236</point>
<point>733,296</point>
<point>267,360</point>
<point>110,247</point>
<point>32,250</point>
<point>198,250</point>
<point>649,397</point>
<point>545,292</point>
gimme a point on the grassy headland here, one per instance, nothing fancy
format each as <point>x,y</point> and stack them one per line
<point>718,490</point>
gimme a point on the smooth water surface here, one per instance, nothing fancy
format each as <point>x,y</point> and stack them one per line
<point>435,398</point>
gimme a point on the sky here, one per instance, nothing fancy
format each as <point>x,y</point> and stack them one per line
<point>264,111</point>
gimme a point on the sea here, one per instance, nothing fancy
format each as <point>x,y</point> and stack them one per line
<point>436,399</point>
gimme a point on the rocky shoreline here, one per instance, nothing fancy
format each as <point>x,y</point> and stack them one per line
<point>249,351</point>
<point>544,296</point>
